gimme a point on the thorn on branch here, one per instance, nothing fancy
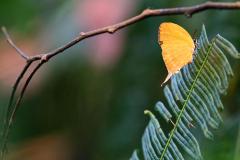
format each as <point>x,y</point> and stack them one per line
<point>44,58</point>
<point>147,11</point>
<point>9,40</point>
<point>82,33</point>
<point>111,30</point>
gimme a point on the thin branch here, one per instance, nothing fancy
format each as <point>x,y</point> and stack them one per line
<point>14,89</point>
<point>17,104</point>
<point>188,11</point>
<point>23,91</point>
<point>9,40</point>
<point>6,123</point>
<point>15,86</point>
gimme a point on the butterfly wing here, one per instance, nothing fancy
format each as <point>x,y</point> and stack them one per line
<point>177,47</point>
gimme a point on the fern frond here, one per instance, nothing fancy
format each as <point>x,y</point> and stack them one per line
<point>134,156</point>
<point>194,96</point>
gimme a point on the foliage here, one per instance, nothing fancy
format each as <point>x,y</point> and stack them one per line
<point>193,97</point>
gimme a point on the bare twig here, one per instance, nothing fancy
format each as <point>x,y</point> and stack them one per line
<point>188,11</point>
<point>42,58</point>
<point>16,106</point>
<point>9,40</point>
<point>15,86</point>
<point>23,90</point>
<point>7,123</point>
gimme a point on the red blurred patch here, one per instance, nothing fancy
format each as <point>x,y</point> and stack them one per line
<point>104,50</point>
<point>11,63</point>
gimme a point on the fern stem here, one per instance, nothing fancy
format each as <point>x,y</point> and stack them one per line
<point>186,101</point>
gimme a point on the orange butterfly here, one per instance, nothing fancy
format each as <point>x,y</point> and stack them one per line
<point>177,47</point>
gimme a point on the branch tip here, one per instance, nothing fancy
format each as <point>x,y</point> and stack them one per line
<point>9,40</point>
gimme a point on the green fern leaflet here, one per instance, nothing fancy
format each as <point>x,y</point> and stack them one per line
<point>193,99</point>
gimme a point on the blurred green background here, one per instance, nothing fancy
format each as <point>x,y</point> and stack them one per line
<point>88,103</point>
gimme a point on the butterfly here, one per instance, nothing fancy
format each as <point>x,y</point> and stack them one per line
<point>177,47</point>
